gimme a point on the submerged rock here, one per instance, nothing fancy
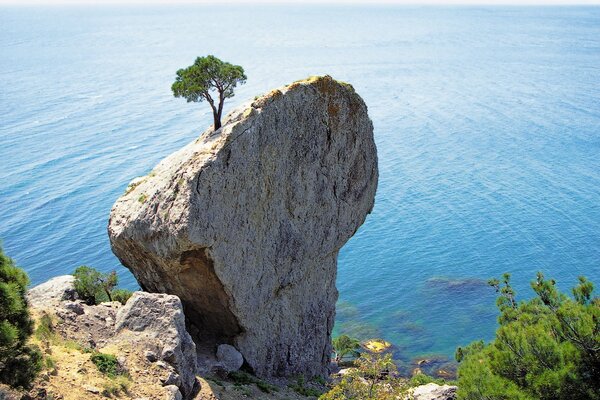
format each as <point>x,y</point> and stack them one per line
<point>244,224</point>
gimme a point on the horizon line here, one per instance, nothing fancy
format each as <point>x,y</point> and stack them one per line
<point>480,3</point>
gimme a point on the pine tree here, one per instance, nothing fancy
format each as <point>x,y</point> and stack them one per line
<point>547,348</point>
<point>19,363</point>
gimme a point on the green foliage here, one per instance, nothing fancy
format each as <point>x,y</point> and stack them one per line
<point>106,363</point>
<point>345,346</point>
<point>266,387</point>
<point>373,378</point>
<point>115,385</point>
<point>243,378</point>
<point>44,330</point>
<point>545,348</point>
<point>209,77</point>
<point>19,363</point>
<point>423,379</point>
<point>93,286</point>
<point>303,389</point>
<point>121,295</point>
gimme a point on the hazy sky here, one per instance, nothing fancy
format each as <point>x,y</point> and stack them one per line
<point>412,2</point>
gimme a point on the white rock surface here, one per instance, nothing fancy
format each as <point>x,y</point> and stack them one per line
<point>244,224</point>
<point>157,321</point>
<point>433,391</point>
<point>229,358</point>
<point>52,292</point>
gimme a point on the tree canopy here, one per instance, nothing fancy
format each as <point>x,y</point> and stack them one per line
<point>545,348</point>
<point>209,79</point>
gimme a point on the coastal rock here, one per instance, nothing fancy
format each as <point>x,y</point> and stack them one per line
<point>229,358</point>
<point>433,391</point>
<point>52,292</point>
<point>155,321</point>
<point>245,224</point>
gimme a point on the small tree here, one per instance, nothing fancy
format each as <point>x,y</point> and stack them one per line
<point>209,77</point>
<point>19,363</point>
<point>93,286</point>
<point>344,346</point>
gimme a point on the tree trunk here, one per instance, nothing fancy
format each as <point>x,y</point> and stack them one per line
<point>220,110</point>
<point>217,120</point>
<point>108,294</point>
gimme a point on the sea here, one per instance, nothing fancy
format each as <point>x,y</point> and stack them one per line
<point>486,119</point>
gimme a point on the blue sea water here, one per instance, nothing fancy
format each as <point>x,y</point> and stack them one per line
<point>487,122</point>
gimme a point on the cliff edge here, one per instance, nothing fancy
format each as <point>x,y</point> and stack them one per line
<point>244,224</point>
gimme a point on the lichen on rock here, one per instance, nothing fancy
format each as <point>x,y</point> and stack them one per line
<point>244,224</point>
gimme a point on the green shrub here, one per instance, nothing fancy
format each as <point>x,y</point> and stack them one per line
<point>545,348</point>
<point>44,330</point>
<point>19,363</point>
<point>114,386</point>
<point>121,295</point>
<point>423,379</point>
<point>373,378</point>
<point>345,346</point>
<point>93,286</point>
<point>106,363</point>
<point>240,378</point>
<point>303,389</point>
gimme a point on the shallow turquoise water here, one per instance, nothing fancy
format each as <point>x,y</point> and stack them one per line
<point>487,122</point>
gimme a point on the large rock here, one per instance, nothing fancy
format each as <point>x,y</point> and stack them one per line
<point>156,321</point>
<point>51,293</point>
<point>244,224</point>
<point>229,358</point>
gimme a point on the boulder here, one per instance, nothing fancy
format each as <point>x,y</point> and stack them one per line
<point>156,321</point>
<point>433,391</point>
<point>50,293</point>
<point>244,224</point>
<point>229,358</point>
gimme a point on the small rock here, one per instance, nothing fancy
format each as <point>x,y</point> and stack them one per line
<point>173,393</point>
<point>172,378</point>
<point>229,357</point>
<point>433,391</point>
<point>151,356</point>
<point>111,304</point>
<point>122,361</point>
<point>162,364</point>
<point>74,306</point>
<point>345,371</point>
<point>92,389</point>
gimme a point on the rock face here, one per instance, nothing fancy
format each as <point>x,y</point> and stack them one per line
<point>158,319</point>
<point>244,224</point>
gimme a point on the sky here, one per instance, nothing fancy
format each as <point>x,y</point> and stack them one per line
<point>399,2</point>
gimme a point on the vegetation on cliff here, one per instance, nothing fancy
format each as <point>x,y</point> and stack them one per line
<point>19,362</point>
<point>95,287</point>
<point>207,75</point>
<point>545,348</point>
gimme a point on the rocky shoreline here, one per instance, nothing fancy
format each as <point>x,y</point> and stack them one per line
<point>148,337</point>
